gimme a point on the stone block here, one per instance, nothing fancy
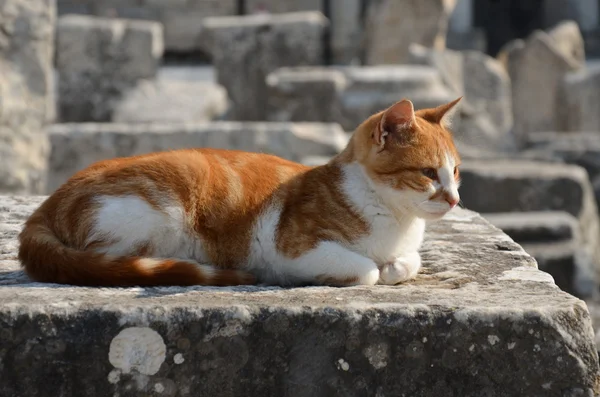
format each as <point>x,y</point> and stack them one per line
<point>568,40</point>
<point>581,148</point>
<point>392,25</point>
<point>282,6</point>
<point>76,146</point>
<point>581,100</point>
<point>348,95</point>
<point>26,92</point>
<point>485,114</point>
<point>172,101</point>
<point>523,186</point>
<point>98,60</point>
<point>246,49</point>
<point>537,68</point>
<point>479,313</point>
<point>305,94</point>
<point>552,238</point>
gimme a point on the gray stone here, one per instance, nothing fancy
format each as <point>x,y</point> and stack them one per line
<point>305,94</point>
<point>488,89</point>
<point>76,146</point>
<point>581,148</point>
<point>26,92</point>
<point>536,227</point>
<point>183,22</point>
<point>569,41</point>
<point>478,313</point>
<point>523,186</point>
<point>282,6</point>
<point>485,117</point>
<point>246,49</point>
<point>172,101</point>
<point>537,68</point>
<point>349,95</point>
<point>346,31</point>
<point>581,98</point>
<point>392,25</point>
<point>552,238</point>
<point>181,18</point>
<point>98,60</point>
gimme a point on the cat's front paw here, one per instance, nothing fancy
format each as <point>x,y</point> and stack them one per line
<point>402,269</point>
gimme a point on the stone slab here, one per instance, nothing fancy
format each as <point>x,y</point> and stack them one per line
<point>479,313</point>
<point>246,49</point>
<point>391,26</point>
<point>522,186</point>
<point>348,94</point>
<point>581,98</point>
<point>99,59</point>
<point>75,146</point>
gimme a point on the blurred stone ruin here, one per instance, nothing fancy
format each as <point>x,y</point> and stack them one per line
<point>96,79</point>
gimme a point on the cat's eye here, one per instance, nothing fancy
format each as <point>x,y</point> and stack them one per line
<point>430,173</point>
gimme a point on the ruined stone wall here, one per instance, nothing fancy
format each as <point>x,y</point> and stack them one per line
<point>26,92</point>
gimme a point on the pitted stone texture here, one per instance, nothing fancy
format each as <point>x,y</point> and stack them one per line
<point>523,186</point>
<point>98,60</point>
<point>393,25</point>
<point>551,237</point>
<point>76,146</point>
<point>246,49</point>
<point>282,6</point>
<point>26,92</point>
<point>537,68</point>
<point>478,313</point>
<point>172,101</point>
<point>349,95</point>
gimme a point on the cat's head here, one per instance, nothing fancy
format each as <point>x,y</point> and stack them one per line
<point>410,158</point>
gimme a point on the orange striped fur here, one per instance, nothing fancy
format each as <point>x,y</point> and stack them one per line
<point>223,217</point>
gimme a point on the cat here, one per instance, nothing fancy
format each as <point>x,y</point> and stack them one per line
<point>223,217</point>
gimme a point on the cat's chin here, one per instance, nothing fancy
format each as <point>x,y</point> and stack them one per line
<point>432,216</point>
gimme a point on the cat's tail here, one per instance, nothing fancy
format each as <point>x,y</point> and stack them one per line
<point>46,259</point>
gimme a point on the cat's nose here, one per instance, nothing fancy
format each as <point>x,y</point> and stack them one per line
<point>452,200</point>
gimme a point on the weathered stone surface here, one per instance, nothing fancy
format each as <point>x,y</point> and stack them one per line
<point>523,186</point>
<point>282,6</point>
<point>552,238</point>
<point>537,68</point>
<point>181,18</point>
<point>569,41</point>
<point>349,95</point>
<point>479,313</point>
<point>487,89</point>
<point>26,92</point>
<point>172,101</point>
<point>246,49</point>
<point>484,118</point>
<point>305,94</point>
<point>98,60</point>
<point>392,25</point>
<point>346,31</point>
<point>536,227</point>
<point>581,98</point>
<point>75,146</point>
<point>581,148</point>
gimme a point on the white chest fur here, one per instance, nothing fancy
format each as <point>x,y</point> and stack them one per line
<point>392,234</point>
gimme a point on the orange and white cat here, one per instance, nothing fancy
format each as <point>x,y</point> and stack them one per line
<point>219,217</point>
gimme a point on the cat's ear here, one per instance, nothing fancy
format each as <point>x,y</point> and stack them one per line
<point>395,120</point>
<point>442,114</point>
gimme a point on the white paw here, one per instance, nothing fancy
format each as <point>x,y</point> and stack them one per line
<point>402,269</point>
